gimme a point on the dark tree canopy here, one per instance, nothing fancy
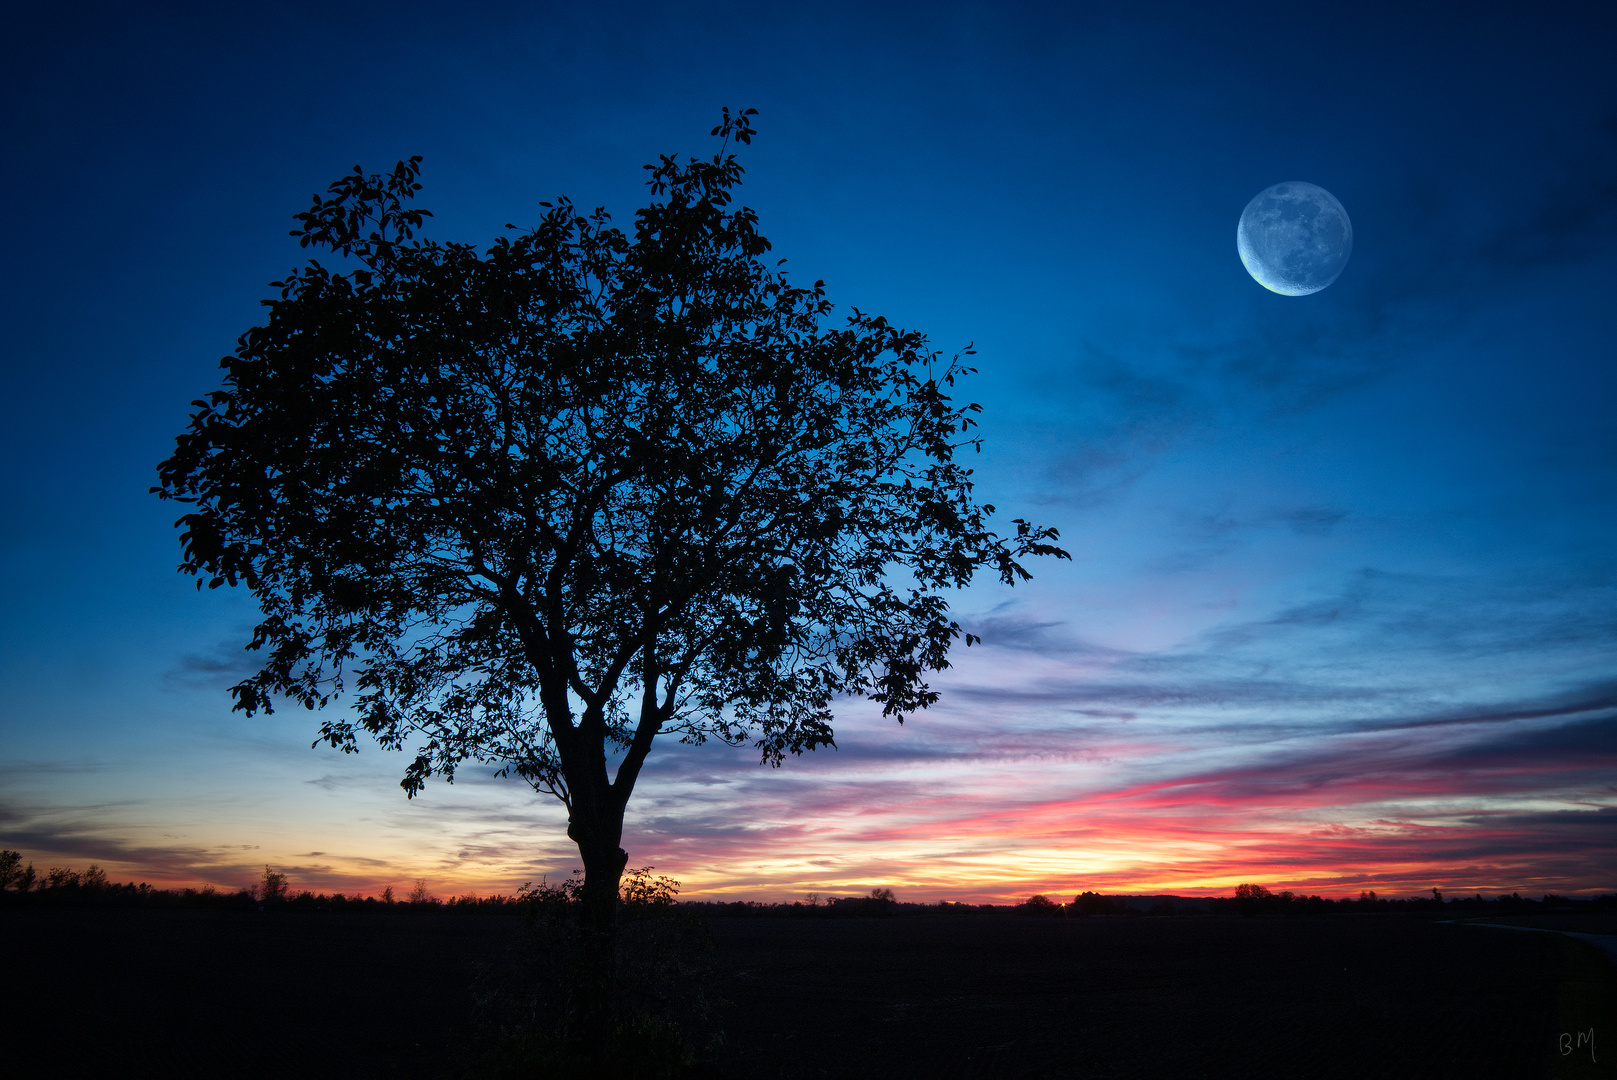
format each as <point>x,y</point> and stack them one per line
<point>536,505</point>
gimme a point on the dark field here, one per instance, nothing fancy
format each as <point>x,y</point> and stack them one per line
<point>187,993</point>
<point>1114,997</point>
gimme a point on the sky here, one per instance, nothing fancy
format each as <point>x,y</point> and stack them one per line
<point>1342,608</point>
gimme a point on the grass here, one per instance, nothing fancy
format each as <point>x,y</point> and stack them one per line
<point>1586,1006</point>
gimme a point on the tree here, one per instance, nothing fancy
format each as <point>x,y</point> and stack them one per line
<point>538,505</point>
<point>12,873</point>
<point>272,887</point>
<point>1093,903</point>
<point>1251,899</point>
<point>1038,904</point>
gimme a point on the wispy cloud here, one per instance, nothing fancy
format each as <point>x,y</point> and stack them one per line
<point>1053,764</point>
<point>1140,390</point>
<point>223,666</point>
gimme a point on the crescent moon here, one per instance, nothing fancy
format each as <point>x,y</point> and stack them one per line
<point>1294,238</point>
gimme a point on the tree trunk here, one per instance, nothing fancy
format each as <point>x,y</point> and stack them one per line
<point>603,871</point>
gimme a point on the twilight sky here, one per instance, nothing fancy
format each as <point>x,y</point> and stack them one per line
<point>1343,606</point>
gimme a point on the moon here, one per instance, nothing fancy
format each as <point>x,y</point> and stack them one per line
<point>1294,238</point>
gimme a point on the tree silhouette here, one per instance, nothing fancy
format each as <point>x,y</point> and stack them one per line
<point>1039,904</point>
<point>1093,903</point>
<point>272,887</point>
<point>12,873</point>
<point>539,505</point>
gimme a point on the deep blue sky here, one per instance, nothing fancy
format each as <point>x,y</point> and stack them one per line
<point>1344,590</point>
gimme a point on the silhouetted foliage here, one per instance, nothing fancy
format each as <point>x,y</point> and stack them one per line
<point>64,886</point>
<point>272,887</point>
<point>644,895</point>
<point>540,505</point>
<point>1252,900</point>
<point>662,1001</point>
<point>1249,899</point>
<point>883,902</point>
<point>1093,903</point>
<point>1039,905</point>
<point>12,873</point>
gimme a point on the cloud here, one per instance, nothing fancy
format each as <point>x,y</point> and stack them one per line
<point>1582,744</point>
<point>1052,764</point>
<point>1396,621</point>
<point>1311,520</point>
<point>1258,750</point>
<point>1139,390</point>
<point>84,833</point>
<point>1574,220</point>
<point>1021,632</point>
<point>221,668</point>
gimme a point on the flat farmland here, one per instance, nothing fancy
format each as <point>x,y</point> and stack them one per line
<point>1202,997</point>
<point>241,994</point>
<point>248,994</point>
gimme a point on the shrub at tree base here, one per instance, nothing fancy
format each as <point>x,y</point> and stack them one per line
<point>535,1019</point>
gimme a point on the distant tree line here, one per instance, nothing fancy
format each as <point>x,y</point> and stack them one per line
<point>642,892</point>
<point>880,902</point>
<point>1250,900</point>
<point>63,887</point>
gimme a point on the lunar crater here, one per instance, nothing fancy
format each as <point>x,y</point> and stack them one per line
<point>1294,238</point>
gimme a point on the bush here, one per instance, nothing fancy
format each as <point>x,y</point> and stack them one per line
<point>1093,903</point>
<point>1039,905</point>
<point>272,889</point>
<point>663,997</point>
<point>12,875</point>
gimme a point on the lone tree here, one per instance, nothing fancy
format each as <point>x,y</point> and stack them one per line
<point>539,505</point>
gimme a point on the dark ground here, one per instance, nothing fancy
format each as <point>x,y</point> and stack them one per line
<point>1356,996</point>
<point>239,994</point>
<point>245,994</point>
